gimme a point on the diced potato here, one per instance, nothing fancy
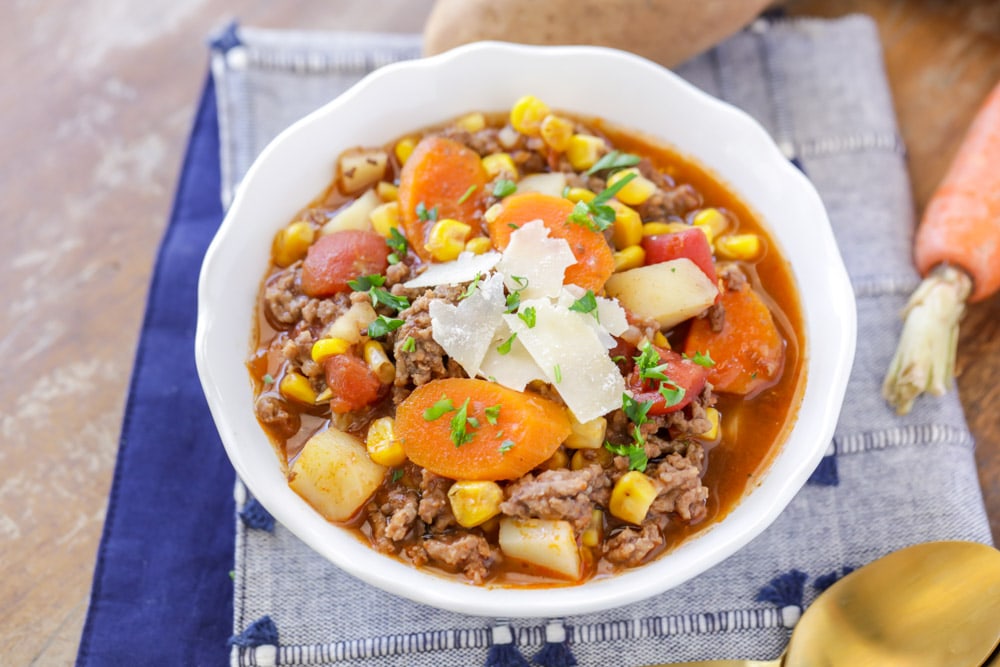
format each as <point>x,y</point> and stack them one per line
<point>334,474</point>
<point>361,168</point>
<point>631,497</point>
<point>668,292</point>
<point>546,544</point>
<point>349,326</point>
<point>588,435</point>
<point>549,184</point>
<point>356,215</point>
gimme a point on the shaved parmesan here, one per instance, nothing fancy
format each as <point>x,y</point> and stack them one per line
<point>610,321</point>
<point>534,257</point>
<point>515,369</point>
<point>465,331</point>
<point>570,353</point>
<point>462,270</point>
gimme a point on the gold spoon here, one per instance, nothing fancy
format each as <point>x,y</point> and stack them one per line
<point>929,605</point>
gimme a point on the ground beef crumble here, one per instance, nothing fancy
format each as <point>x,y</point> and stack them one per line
<point>556,494</point>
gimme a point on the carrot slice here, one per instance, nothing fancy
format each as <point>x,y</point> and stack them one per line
<point>504,435</point>
<point>594,260</point>
<point>749,352</point>
<point>438,174</point>
<point>961,224</point>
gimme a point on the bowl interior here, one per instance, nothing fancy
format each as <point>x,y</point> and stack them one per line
<point>634,94</point>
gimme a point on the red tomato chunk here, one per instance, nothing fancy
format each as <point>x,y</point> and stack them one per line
<point>690,243</point>
<point>354,385</point>
<point>342,256</point>
<point>682,373</point>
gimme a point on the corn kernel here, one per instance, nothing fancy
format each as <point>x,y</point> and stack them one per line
<point>474,502</point>
<point>500,164</point>
<point>560,459</point>
<point>382,445</point>
<point>712,434</point>
<point>472,122</point>
<point>636,191</point>
<point>595,529</point>
<point>527,114</point>
<point>324,396</point>
<point>631,257</point>
<point>291,243</point>
<point>446,240</point>
<point>327,347</point>
<point>584,150</point>
<point>627,230</point>
<point>385,217</point>
<point>556,132</point>
<point>585,457</point>
<point>738,246</point>
<point>659,340</point>
<point>588,435</point>
<point>294,386</point>
<point>492,213</point>
<point>631,497</point>
<point>580,194</point>
<point>378,361</point>
<point>404,148</point>
<point>479,245</point>
<point>712,221</point>
<point>657,228</point>
<point>386,191</point>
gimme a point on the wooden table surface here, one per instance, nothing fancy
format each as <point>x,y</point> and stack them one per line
<point>98,98</point>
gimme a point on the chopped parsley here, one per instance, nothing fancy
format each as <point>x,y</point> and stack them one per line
<point>528,316</point>
<point>424,214</point>
<point>468,193</point>
<point>596,215</point>
<point>636,451</point>
<point>671,392</point>
<point>382,325</point>
<point>504,347</point>
<point>504,187</point>
<point>472,287</point>
<point>506,446</point>
<point>268,379</point>
<point>513,225</point>
<point>557,371</point>
<point>365,283</point>
<point>614,160</point>
<point>459,433</point>
<point>636,411</point>
<point>492,414</point>
<point>586,304</point>
<point>513,301</point>
<point>648,364</point>
<point>439,409</point>
<point>409,345</point>
<point>637,459</point>
<point>380,295</point>
<point>397,242</point>
<point>520,281</point>
<point>397,474</point>
<point>705,360</point>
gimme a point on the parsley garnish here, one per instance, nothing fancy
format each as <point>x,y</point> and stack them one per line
<point>596,215</point>
<point>637,459</point>
<point>648,364</point>
<point>506,446</point>
<point>671,392</point>
<point>513,225</point>
<point>586,304</point>
<point>409,345</point>
<point>365,283</point>
<point>424,214</point>
<point>513,301</point>
<point>439,409</point>
<point>382,296</point>
<point>504,347</point>
<point>703,359</point>
<point>397,475</point>
<point>528,316</point>
<point>520,281</point>
<point>636,452</point>
<point>459,435</point>
<point>382,325</point>
<point>492,413</point>
<point>397,242</point>
<point>557,371</point>
<point>268,379</point>
<point>503,187</point>
<point>613,160</point>
<point>471,288</point>
<point>634,410</point>
<point>468,193</point>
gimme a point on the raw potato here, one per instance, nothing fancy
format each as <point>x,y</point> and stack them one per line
<point>355,215</point>
<point>546,544</point>
<point>668,292</point>
<point>666,31</point>
<point>350,325</point>
<point>334,474</point>
<point>361,168</point>
<point>548,184</point>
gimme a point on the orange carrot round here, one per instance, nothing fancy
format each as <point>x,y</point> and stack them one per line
<point>449,180</point>
<point>749,352</point>
<point>594,260</point>
<point>503,433</point>
<point>961,225</point>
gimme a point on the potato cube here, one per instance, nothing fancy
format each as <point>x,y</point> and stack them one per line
<point>547,544</point>
<point>334,474</point>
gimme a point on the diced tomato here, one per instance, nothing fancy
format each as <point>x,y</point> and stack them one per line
<point>353,384</point>
<point>336,258</point>
<point>683,373</point>
<point>690,243</point>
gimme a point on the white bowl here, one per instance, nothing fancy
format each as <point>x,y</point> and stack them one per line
<point>633,93</point>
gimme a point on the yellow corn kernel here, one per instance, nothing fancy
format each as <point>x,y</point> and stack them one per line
<point>636,191</point>
<point>404,147</point>
<point>382,445</point>
<point>500,164</point>
<point>584,150</point>
<point>291,243</point>
<point>659,340</point>
<point>558,460</point>
<point>738,246</point>
<point>327,347</point>
<point>712,221</point>
<point>472,122</point>
<point>385,217</point>
<point>527,114</point>
<point>585,457</point>
<point>627,230</point>
<point>631,497</point>
<point>657,228</point>
<point>492,212</point>
<point>593,532</point>
<point>474,502</point>
<point>712,434</point>
<point>556,132</point>
<point>479,245</point>
<point>580,194</point>
<point>386,191</point>
<point>324,396</point>
<point>447,239</point>
<point>378,361</point>
<point>631,257</point>
<point>295,387</point>
<point>588,435</point>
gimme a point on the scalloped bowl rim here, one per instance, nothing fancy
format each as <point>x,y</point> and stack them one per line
<point>726,140</point>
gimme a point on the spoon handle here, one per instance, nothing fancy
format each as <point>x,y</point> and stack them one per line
<point>721,663</point>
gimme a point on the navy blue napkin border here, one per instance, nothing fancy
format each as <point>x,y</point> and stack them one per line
<point>162,591</point>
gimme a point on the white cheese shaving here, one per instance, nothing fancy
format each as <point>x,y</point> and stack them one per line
<point>466,330</point>
<point>611,319</point>
<point>462,270</point>
<point>516,368</point>
<point>534,257</point>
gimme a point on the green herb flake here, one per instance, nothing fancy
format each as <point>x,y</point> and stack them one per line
<point>513,301</point>
<point>634,410</point>
<point>607,194</point>
<point>426,214</point>
<point>380,295</point>
<point>520,281</point>
<point>703,359</point>
<point>557,371</point>
<point>232,575</point>
<point>365,283</point>
<point>492,413</point>
<point>397,242</point>
<point>268,379</point>
<point>671,392</point>
<point>409,345</point>
<point>392,258</point>
<point>382,325</point>
<point>468,193</point>
<point>439,409</point>
<point>586,304</point>
<point>513,225</point>
<point>528,316</point>
<point>503,188</point>
<point>459,432</point>
<point>473,422</point>
<point>506,446</point>
<point>397,474</point>
<point>596,215</point>
<point>637,459</point>
<point>618,358</point>
<point>471,288</point>
<point>614,160</point>
<point>499,434</point>
<point>504,347</point>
